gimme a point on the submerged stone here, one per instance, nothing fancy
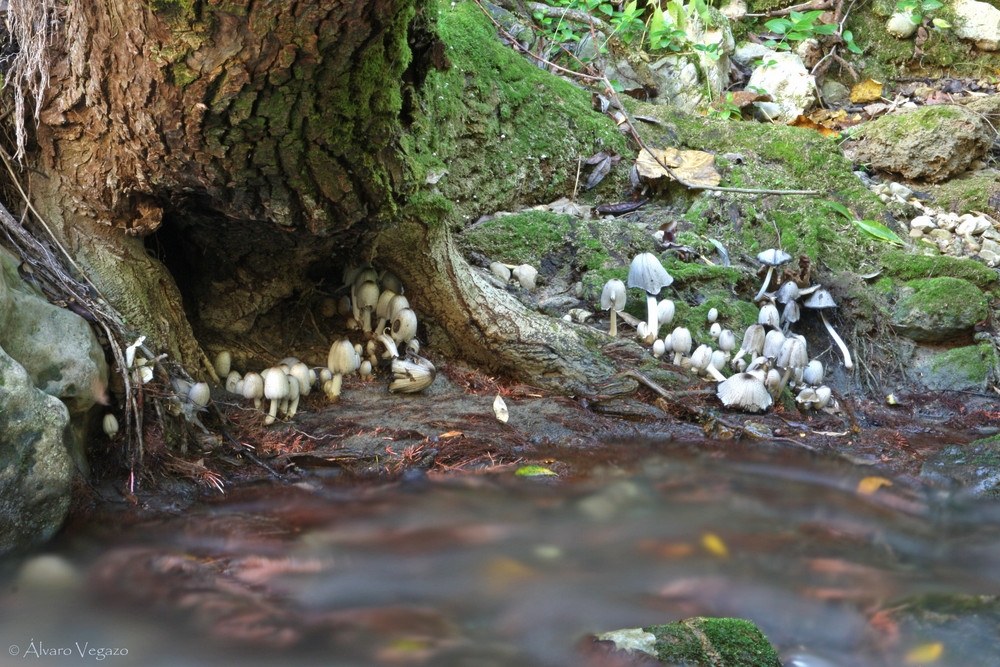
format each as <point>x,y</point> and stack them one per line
<point>711,642</point>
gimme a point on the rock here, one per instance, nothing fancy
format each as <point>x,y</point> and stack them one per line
<point>790,85</point>
<point>938,309</point>
<point>835,94</point>
<point>939,234</point>
<point>972,224</point>
<point>56,347</point>
<point>748,53</point>
<point>35,468</point>
<point>711,642</point>
<point>966,368</point>
<point>931,143</point>
<point>900,26</point>
<point>948,221</point>
<point>974,467</point>
<point>977,22</point>
<point>900,190</point>
<point>923,223</point>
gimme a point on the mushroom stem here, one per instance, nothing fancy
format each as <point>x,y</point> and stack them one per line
<point>614,323</point>
<point>335,384</point>
<point>767,281</point>
<point>848,363</point>
<point>652,325</point>
<point>715,373</point>
<point>272,413</point>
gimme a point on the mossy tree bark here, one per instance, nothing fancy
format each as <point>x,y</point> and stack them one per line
<point>207,162</point>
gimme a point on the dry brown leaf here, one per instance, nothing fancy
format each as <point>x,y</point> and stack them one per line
<point>810,124</point>
<point>695,167</point>
<point>450,434</point>
<point>868,90</point>
<point>740,98</point>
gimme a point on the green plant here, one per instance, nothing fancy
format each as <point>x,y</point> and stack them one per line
<point>918,9</point>
<point>725,109</point>
<point>797,27</point>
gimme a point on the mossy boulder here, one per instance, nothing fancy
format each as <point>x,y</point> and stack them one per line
<point>938,309</point>
<point>710,642</point>
<point>931,143</point>
<point>961,368</point>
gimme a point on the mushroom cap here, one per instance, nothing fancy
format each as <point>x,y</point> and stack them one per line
<point>367,295</point>
<point>823,396</point>
<point>744,391</point>
<point>792,354</point>
<point>300,371</point>
<point>343,358</point>
<point>390,281</point>
<point>715,330</point>
<point>753,339</point>
<point>110,425</point>
<point>613,295</point>
<point>788,291</point>
<point>701,357</point>
<point>727,340</point>
<point>813,373</point>
<point>680,340</point>
<point>790,313</point>
<point>773,341</point>
<point>821,298</point>
<point>253,385</point>
<point>659,348</point>
<point>382,305</point>
<point>648,274</point>
<point>807,397</point>
<point>398,303</point>
<point>769,316</point>
<point>275,383</point>
<point>719,359</point>
<point>773,257</point>
<point>713,315</point>
<point>199,394</point>
<point>411,376</point>
<point>223,363</point>
<point>665,311</point>
<point>404,325</point>
<point>231,382</point>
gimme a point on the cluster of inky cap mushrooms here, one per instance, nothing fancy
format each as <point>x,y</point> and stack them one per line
<point>375,305</point>
<point>778,358</point>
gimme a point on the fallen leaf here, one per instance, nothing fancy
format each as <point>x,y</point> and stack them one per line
<point>714,545</point>
<point>450,434</point>
<point>500,409</point>
<point>810,124</point>
<point>695,167</point>
<point>938,97</point>
<point>870,485</point>
<point>868,90</point>
<point>599,172</point>
<point>533,471</point>
<point>924,653</point>
<point>879,231</point>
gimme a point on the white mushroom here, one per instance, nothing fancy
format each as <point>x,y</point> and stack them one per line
<point>232,380</point>
<point>823,396</point>
<point>292,396</point>
<point>813,373</point>
<point>773,341</point>
<point>275,390</point>
<point>664,314</point>
<point>715,330</point>
<point>753,342</point>
<point>223,363</point>
<point>792,356</point>
<point>658,348</point>
<point>411,376</point>
<point>199,394</point>
<point>646,273</point>
<point>300,371</point>
<point>343,358</point>
<point>769,316</point>
<point>613,299</point>
<point>713,315</point>
<point>390,281</point>
<point>110,425</point>
<point>366,300</point>
<point>771,257</point>
<point>821,300</point>
<point>365,370</point>
<point>727,341</point>
<point>744,391</point>
<point>253,387</point>
<point>404,326</point>
<point>680,341</point>
<point>382,309</point>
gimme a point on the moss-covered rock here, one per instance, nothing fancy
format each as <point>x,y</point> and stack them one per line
<point>931,143</point>
<point>961,368</point>
<point>938,309</point>
<point>710,642</point>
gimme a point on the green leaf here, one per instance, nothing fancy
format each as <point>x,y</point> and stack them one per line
<point>825,29</point>
<point>533,471</point>
<point>605,8</point>
<point>838,208</point>
<point>879,231</point>
<point>851,46</point>
<point>779,26</point>
<point>931,5</point>
<point>941,23</point>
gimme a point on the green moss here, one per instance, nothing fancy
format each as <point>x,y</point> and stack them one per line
<point>972,365</point>
<point>968,192</point>
<point>905,266</point>
<point>717,642</point>
<point>506,119</point>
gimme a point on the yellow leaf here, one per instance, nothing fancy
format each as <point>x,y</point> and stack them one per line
<point>924,653</point>
<point>450,434</point>
<point>714,545</point>
<point>695,167</point>
<point>870,485</point>
<point>868,90</point>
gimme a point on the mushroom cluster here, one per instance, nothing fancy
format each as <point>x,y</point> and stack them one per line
<point>375,306</point>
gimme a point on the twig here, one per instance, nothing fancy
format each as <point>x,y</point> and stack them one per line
<point>806,6</point>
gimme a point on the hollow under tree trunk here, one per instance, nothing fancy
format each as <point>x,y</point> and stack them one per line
<point>259,147</point>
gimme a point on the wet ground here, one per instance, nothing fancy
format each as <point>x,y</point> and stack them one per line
<point>398,530</point>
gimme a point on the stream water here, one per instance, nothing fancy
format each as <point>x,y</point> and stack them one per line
<point>495,569</point>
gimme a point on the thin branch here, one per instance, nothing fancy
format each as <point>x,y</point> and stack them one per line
<point>806,6</point>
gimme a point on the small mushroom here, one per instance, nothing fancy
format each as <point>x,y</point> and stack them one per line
<point>110,425</point>
<point>773,340</point>
<point>253,387</point>
<point>813,373</point>
<point>223,363</point>
<point>646,273</point>
<point>771,257</point>
<point>727,342</point>
<point>613,299</point>
<point>753,342</point>
<point>300,371</point>
<point>232,383</point>
<point>199,394</point>
<point>664,314</point>
<point>404,326</point>
<point>366,300</point>
<point>390,281</point>
<point>343,358</point>
<point>382,309</point>
<point>769,316</point>
<point>713,315</point>
<point>659,349</point>
<point>744,391</point>
<point>821,300</point>
<point>718,362</point>
<point>409,376</point>
<point>792,356</point>
<point>275,390</point>
<point>365,370</point>
<point>292,396</point>
<point>823,396</point>
<point>715,330</point>
<point>680,341</point>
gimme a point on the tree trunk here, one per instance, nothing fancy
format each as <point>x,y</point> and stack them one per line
<point>215,167</point>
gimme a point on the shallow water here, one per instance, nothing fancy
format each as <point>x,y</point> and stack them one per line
<point>496,569</point>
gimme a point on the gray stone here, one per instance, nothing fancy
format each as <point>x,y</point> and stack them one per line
<point>923,223</point>
<point>930,143</point>
<point>972,224</point>
<point>900,190</point>
<point>938,309</point>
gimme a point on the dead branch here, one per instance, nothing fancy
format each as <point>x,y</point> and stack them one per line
<point>804,7</point>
